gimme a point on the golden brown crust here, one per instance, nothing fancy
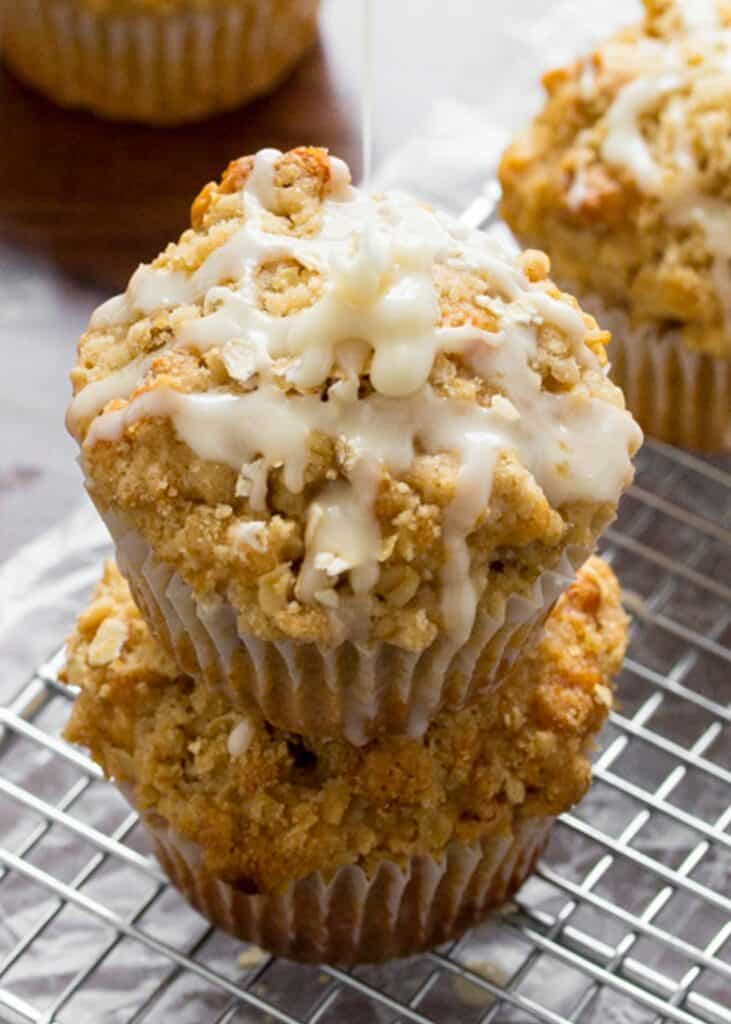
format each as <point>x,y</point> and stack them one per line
<point>635,248</point>
<point>288,806</point>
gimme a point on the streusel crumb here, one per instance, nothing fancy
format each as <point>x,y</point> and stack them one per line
<point>267,806</point>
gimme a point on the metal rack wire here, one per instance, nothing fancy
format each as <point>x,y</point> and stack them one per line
<point>627,920</point>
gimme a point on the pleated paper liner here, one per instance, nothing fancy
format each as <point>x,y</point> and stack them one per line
<point>357,918</point>
<point>346,691</point>
<point>677,395</point>
<point>180,64</point>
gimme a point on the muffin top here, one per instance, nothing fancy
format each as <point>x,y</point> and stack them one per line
<point>338,410</point>
<point>625,175</point>
<point>267,806</point>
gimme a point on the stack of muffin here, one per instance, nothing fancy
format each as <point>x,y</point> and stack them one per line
<point>352,455</point>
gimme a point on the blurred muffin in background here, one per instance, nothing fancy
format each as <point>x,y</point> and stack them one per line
<point>624,178</point>
<point>161,61</point>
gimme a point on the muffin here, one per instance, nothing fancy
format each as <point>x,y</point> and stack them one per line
<point>624,178</point>
<point>350,451</point>
<point>322,851</point>
<point>155,60</point>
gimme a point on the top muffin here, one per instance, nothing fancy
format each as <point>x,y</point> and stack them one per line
<point>625,175</point>
<point>347,415</point>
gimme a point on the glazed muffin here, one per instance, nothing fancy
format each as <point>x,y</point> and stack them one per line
<point>350,451</point>
<point>319,850</point>
<point>156,60</point>
<point>625,179</point>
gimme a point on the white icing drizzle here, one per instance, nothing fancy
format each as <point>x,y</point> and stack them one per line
<point>376,257</point>
<point>91,400</point>
<point>624,144</point>
<point>240,738</point>
<point>666,68</point>
<point>252,534</point>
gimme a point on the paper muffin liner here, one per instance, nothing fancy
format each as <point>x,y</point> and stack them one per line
<point>178,65</point>
<point>348,691</point>
<point>677,395</point>
<point>354,917</point>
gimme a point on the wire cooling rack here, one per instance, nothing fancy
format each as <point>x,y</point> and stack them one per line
<point>627,919</point>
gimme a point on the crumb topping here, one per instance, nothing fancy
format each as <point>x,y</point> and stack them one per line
<point>625,175</point>
<point>267,806</point>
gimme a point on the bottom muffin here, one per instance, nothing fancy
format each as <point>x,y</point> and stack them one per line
<point>318,850</point>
